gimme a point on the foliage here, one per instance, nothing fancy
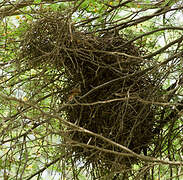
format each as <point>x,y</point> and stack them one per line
<point>35,132</point>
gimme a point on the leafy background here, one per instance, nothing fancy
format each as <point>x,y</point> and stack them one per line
<point>32,143</point>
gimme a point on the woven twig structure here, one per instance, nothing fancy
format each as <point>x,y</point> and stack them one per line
<point>114,93</point>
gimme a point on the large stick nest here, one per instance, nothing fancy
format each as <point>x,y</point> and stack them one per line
<point>112,86</point>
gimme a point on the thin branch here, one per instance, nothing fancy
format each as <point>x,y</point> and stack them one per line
<point>140,20</point>
<point>80,129</point>
<point>163,48</point>
<point>151,32</point>
<point>44,168</point>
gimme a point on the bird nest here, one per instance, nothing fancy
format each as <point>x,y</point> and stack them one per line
<point>110,89</point>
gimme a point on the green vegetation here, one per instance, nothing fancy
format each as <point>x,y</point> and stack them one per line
<point>125,122</point>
